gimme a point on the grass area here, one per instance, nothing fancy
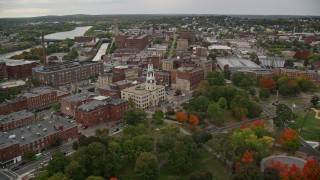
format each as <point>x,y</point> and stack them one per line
<point>311,125</point>
<point>229,118</point>
<point>205,161</point>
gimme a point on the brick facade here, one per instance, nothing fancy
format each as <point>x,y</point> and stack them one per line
<point>16,104</point>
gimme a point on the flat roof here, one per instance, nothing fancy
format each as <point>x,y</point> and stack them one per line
<point>140,89</point>
<point>12,84</point>
<point>31,132</point>
<point>237,63</point>
<point>11,62</point>
<point>15,116</point>
<point>78,97</point>
<point>219,47</point>
<point>66,66</point>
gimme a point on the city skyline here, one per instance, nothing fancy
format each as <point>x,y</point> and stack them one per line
<point>32,8</point>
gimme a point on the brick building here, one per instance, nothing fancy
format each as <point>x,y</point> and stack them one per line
<point>19,68</point>
<point>114,89</point>
<point>67,73</point>
<point>188,35</point>
<point>15,120</point>
<point>110,78</point>
<point>125,52</point>
<point>83,39</point>
<point>36,137</point>
<point>167,64</point>
<point>101,110</point>
<point>156,60</point>
<point>3,71</point>
<point>163,78</point>
<point>130,72</point>
<point>139,42</point>
<point>7,86</point>
<point>69,104</point>
<point>120,41</point>
<point>13,105</point>
<point>294,73</point>
<point>182,45</point>
<point>186,78</point>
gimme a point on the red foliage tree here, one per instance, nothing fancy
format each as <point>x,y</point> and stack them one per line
<point>181,117</point>
<point>247,157</point>
<point>193,120</point>
<point>301,54</point>
<point>259,123</point>
<point>290,139</point>
<point>311,170</point>
<point>268,83</point>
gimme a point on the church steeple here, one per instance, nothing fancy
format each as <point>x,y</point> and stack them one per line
<point>150,81</point>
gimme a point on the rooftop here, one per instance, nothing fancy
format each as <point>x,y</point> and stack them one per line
<point>140,89</point>
<point>15,116</point>
<point>12,84</point>
<point>66,66</point>
<point>78,97</point>
<point>40,129</point>
<point>10,62</point>
<point>236,63</point>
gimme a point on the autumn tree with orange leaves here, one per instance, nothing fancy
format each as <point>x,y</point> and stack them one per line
<point>247,168</point>
<point>181,117</point>
<point>311,170</point>
<point>193,120</point>
<point>268,83</point>
<point>289,139</point>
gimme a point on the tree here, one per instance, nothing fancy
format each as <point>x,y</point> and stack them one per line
<point>264,93</point>
<point>55,106</point>
<point>74,171</point>
<point>240,112</point>
<point>193,120</point>
<point>58,176</point>
<point>146,166</point>
<point>223,103</point>
<point>181,117</point>
<point>179,159</point>
<point>177,92</point>
<point>129,148</point>
<point>58,163</point>
<point>268,83</point>
<point>95,178</point>
<point>170,110</point>
<point>315,100</point>
<point>102,133</point>
<point>201,137</point>
<point>254,57</point>
<point>242,80</point>
<point>305,84</point>
<point>215,113</point>
<point>158,116</point>
<point>134,116</point>
<point>28,154</point>
<point>201,175</point>
<point>290,139</point>
<point>202,89</point>
<point>247,157</point>
<point>215,79</point>
<point>283,115</point>
<point>44,175</point>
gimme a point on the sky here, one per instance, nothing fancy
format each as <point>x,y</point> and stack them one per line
<point>31,8</point>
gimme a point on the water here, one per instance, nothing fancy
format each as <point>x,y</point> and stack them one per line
<point>101,52</point>
<point>10,54</point>
<point>78,31</point>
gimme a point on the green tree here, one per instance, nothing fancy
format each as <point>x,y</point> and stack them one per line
<point>133,116</point>
<point>201,175</point>
<point>223,103</point>
<point>215,79</point>
<point>103,133</point>
<point>315,100</point>
<point>283,115</point>
<point>95,178</point>
<point>240,112</point>
<point>215,113</point>
<point>58,176</point>
<point>44,175</point>
<point>55,106</point>
<point>179,159</point>
<point>129,148</point>
<point>158,116</point>
<point>58,163</point>
<point>242,80</point>
<point>74,171</point>
<point>28,154</point>
<point>264,93</point>
<point>146,166</point>
<point>201,137</point>
<point>143,143</point>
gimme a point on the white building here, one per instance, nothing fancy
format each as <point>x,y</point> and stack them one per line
<point>147,94</point>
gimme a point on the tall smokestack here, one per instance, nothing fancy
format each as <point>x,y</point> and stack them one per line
<point>44,52</point>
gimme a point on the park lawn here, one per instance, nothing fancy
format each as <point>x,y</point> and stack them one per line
<point>205,161</point>
<point>311,127</point>
<point>229,118</point>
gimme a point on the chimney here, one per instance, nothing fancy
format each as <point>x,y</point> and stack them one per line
<point>44,52</point>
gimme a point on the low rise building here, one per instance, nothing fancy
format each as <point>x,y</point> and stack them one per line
<point>37,137</point>
<point>101,109</point>
<point>13,105</point>
<point>125,52</point>
<point>235,64</point>
<point>182,45</point>
<point>139,42</point>
<point>146,94</point>
<point>109,78</point>
<point>6,86</point>
<point>114,90</point>
<point>16,119</point>
<point>67,73</point>
<point>186,78</point>
<point>3,71</point>
<point>19,68</point>
<point>69,104</point>
<point>294,73</point>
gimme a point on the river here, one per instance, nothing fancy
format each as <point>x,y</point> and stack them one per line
<point>101,52</point>
<point>78,31</point>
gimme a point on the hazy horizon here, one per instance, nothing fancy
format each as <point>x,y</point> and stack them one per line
<point>34,8</point>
